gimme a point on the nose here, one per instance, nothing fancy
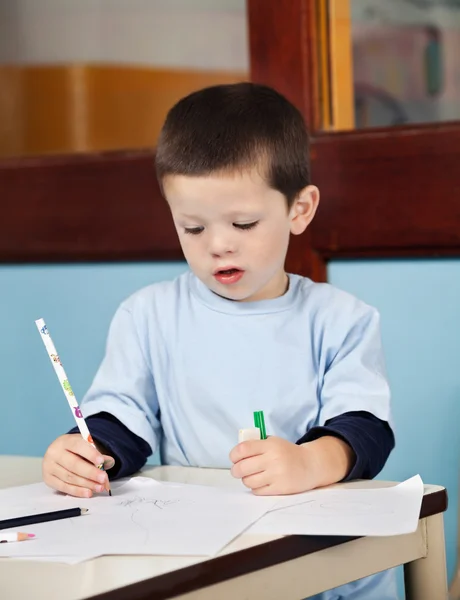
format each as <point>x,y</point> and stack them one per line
<point>221,244</point>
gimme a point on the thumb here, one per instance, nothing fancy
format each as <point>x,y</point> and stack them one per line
<point>109,462</point>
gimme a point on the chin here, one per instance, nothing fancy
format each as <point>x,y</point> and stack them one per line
<point>239,296</point>
<point>232,294</point>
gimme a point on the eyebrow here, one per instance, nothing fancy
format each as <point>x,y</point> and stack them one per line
<point>191,217</point>
<point>232,215</point>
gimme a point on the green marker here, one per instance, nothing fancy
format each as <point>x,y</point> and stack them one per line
<point>259,422</point>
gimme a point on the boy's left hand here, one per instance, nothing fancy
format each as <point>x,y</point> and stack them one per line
<point>274,466</point>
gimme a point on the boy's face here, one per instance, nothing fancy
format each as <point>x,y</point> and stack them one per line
<point>234,231</point>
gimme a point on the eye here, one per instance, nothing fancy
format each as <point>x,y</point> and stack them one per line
<point>193,230</point>
<point>245,226</point>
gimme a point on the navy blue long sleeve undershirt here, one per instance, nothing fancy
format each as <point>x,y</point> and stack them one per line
<point>370,438</point>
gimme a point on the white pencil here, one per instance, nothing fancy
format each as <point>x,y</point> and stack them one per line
<point>15,537</point>
<point>65,385</point>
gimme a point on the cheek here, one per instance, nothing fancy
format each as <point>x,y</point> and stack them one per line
<point>190,246</point>
<point>274,241</point>
<point>184,241</point>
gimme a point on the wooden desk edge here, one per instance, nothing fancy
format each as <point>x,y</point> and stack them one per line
<point>235,564</point>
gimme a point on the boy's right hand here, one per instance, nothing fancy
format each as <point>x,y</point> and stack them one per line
<point>70,466</point>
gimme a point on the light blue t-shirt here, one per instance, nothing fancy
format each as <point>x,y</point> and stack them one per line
<point>185,369</point>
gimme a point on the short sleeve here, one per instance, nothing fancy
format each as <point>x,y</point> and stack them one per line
<point>124,385</point>
<point>354,375</point>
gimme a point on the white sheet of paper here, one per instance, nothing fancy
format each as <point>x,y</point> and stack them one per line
<point>349,512</point>
<point>68,560</point>
<point>143,516</point>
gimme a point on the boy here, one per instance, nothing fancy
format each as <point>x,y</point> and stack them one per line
<point>188,361</point>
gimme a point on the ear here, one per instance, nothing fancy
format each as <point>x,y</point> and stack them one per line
<point>304,208</point>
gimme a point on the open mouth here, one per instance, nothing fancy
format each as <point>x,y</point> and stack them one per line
<point>228,276</point>
<point>227,271</point>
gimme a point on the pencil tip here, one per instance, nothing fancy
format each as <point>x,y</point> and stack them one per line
<point>84,510</point>
<point>110,492</point>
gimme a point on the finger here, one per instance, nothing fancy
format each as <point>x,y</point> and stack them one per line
<point>76,480</point>
<point>265,490</point>
<point>79,446</point>
<point>109,462</point>
<point>81,467</point>
<point>248,466</point>
<point>256,481</point>
<point>247,449</point>
<point>67,488</point>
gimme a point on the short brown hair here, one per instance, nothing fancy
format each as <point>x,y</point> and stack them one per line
<point>225,128</point>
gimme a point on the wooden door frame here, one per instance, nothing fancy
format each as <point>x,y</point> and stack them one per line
<point>385,192</point>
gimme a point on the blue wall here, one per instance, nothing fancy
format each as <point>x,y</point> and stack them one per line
<point>420,308</point>
<point>77,303</point>
<point>419,303</point>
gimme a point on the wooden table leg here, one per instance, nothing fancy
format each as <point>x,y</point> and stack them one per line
<point>455,589</point>
<point>426,578</point>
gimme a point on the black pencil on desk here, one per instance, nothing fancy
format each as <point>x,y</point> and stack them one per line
<point>42,517</point>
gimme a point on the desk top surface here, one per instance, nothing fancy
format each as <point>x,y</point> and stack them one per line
<point>165,576</point>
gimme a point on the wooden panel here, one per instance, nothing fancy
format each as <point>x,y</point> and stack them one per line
<point>283,46</point>
<point>11,111</point>
<point>341,65</point>
<point>92,207</point>
<point>85,108</point>
<point>323,57</point>
<point>392,192</point>
<point>388,192</point>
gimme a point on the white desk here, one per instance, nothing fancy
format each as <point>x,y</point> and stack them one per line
<point>251,567</point>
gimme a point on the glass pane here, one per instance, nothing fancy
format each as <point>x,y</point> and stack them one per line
<point>80,75</point>
<point>406,61</point>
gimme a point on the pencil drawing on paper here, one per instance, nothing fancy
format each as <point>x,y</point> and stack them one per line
<point>141,508</point>
<point>139,501</point>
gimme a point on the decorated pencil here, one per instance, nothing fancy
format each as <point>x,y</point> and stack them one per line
<point>66,387</point>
